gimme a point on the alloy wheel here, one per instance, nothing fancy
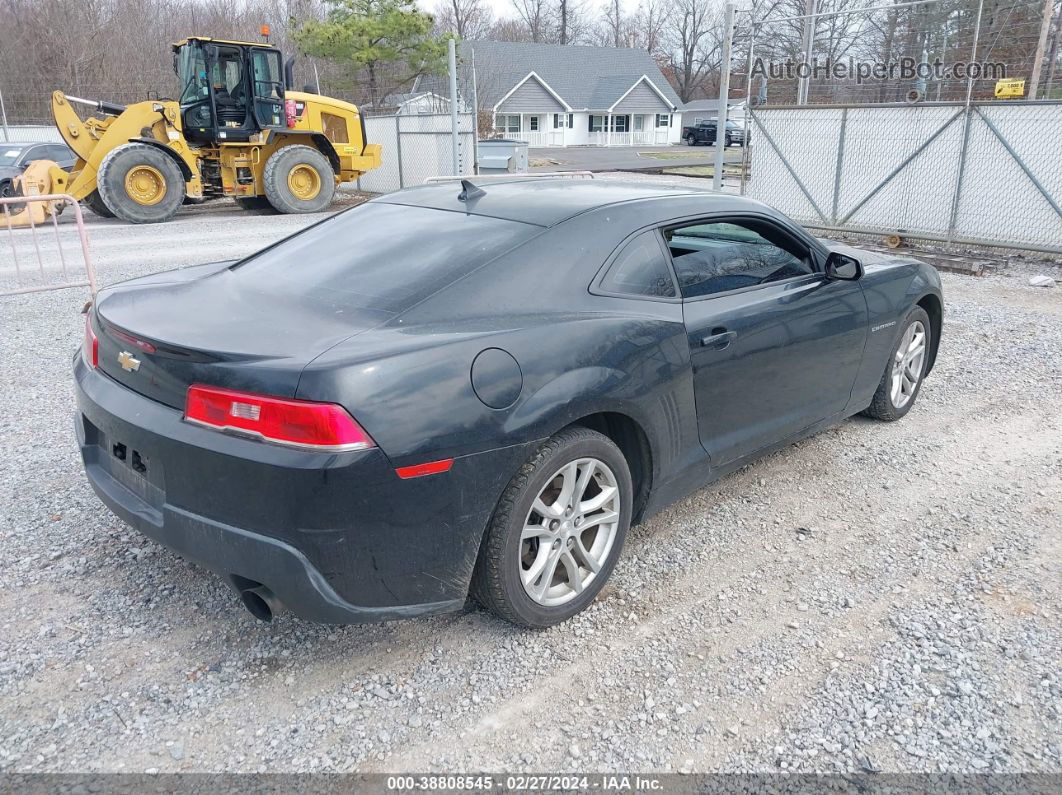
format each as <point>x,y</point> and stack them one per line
<point>569,531</point>
<point>907,365</point>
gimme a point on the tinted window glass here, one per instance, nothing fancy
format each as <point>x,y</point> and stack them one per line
<point>266,70</point>
<point>34,153</point>
<point>380,256</point>
<point>60,152</point>
<point>716,257</point>
<point>640,269</point>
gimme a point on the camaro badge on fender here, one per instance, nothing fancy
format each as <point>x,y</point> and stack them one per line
<point>128,363</point>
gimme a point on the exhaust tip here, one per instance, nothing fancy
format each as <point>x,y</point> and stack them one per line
<point>256,605</point>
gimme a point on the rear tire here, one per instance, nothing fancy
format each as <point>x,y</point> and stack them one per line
<point>140,184</point>
<point>7,189</point>
<point>95,203</point>
<point>299,179</point>
<point>522,536</point>
<point>691,140</point>
<point>908,361</point>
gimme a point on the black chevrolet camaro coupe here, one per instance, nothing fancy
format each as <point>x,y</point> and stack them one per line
<point>457,390</point>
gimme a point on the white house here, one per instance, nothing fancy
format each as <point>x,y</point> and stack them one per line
<point>697,110</point>
<point>562,95</point>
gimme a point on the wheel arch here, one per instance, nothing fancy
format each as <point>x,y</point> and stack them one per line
<point>317,140</point>
<point>933,307</point>
<point>632,440</point>
<point>186,172</point>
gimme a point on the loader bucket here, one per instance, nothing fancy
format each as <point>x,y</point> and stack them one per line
<point>41,177</point>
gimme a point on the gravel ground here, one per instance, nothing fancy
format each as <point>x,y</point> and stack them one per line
<point>881,597</point>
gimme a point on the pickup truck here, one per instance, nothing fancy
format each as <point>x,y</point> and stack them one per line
<point>703,133</point>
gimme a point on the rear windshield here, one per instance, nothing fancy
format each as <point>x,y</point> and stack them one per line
<point>380,256</point>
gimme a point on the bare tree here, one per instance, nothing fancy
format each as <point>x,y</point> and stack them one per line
<point>467,19</point>
<point>613,23</point>
<point>534,14</point>
<point>649,23</point>
<point>693,37</point>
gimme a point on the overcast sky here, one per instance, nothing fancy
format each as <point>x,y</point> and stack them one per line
<point>504,8</point>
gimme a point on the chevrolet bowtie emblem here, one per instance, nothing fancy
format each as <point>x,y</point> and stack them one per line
<point>128,362</point>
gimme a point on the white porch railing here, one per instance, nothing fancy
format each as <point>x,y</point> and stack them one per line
<point>640,138</point>
<point>540,138</point>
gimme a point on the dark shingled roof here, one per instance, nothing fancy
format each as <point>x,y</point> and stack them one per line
<point>586,77</point>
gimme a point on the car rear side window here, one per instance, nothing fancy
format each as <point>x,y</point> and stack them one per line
<point>380,256</point>
<point>718,256</point>
<point>640,269</point>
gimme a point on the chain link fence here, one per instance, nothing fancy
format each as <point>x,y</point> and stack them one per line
<point>983,175</point>
<point>416,147</point>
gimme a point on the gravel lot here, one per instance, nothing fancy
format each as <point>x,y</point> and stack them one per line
<point>882,597</point>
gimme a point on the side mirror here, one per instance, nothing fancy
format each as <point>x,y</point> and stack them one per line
<point>843,268</point>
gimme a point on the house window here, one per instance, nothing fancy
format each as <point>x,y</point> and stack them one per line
<point>664,120</point>
<point>571,120</point>
<point>509,123</point>
<point>621,124</point>
<point>597,123</point>
<point>534,123</point>
<point>558,122</point>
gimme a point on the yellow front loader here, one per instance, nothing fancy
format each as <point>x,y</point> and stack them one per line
<point>236,129</point>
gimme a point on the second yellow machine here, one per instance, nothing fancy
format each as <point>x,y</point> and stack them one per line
<point>236,129</point>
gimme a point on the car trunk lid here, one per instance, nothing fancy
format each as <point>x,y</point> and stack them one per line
<point>158,339</point>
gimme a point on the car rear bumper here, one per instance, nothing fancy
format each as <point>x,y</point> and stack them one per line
<point>335,538</point>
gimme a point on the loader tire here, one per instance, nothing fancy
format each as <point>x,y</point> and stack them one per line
<point>254,203</point>
<point>140,184</point>
<point>299,179</point>
<point>95,203</point>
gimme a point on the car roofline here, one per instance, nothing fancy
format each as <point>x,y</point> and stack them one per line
<point>391,198</point>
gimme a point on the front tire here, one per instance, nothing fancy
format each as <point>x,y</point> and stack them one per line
<point>902,380</point>
<point>7,189</point>
<point>299,179</point>
<point>557,531</point>
<point>140,184</point>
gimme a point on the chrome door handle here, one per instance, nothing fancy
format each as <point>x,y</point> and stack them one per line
<point>720,340</point>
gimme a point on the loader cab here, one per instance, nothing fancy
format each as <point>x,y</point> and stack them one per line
<point>228,90</point>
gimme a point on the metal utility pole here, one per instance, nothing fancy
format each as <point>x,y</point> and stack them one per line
<point>724,95</point>
<point>454,135</point>
<point>1052,57</point>
<point>1041,45</point>
<point>809,49</point>
<point>753,30</point>
<point>475,116</point>
<point>3,117</point>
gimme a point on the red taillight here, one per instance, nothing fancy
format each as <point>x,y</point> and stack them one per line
<point>146,347</point>
<point>297,423</point>
<point>90,351</point>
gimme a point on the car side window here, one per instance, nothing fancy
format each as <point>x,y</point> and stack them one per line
<point>640,269</point>
<point>59,153</point>
<point>31,154</point>
<point>718,256</point>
